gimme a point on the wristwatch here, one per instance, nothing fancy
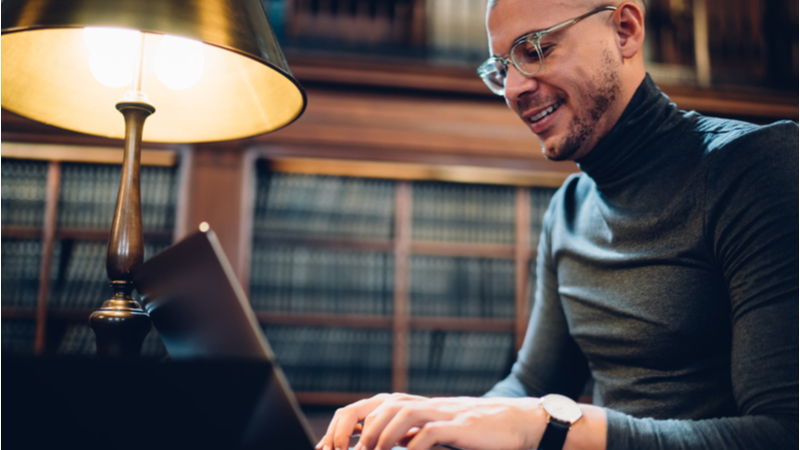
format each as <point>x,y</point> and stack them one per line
<point>562,412</point>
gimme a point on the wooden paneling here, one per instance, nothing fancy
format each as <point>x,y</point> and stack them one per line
<point>215,196</point>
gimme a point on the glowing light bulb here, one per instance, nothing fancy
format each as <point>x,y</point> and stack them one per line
<point>111,54</point>
<point>179,62</point>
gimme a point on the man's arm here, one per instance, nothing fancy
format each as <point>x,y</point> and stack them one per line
<point>752,223</point>
<point>550,360</point>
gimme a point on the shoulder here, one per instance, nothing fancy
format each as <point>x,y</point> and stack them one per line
<point>735,153</point>
<point>725,140</point>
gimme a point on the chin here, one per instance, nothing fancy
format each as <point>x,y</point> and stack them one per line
<point>557,151</point>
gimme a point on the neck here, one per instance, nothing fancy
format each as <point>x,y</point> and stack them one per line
<point>620,154</point>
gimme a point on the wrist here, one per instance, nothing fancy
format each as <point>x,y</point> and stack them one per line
<point>562,413</point>
<point>590,432</point>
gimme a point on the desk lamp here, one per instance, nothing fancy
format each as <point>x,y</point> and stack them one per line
<point>197,70</point>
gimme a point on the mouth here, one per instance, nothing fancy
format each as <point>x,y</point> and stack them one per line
<point>546,112</point>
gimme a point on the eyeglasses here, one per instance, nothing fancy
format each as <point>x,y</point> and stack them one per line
<point>526,55</point>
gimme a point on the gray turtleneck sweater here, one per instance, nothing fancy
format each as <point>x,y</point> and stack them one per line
<point>668,272</point>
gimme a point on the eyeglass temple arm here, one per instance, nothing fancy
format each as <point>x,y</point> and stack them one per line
<point>583,16</point>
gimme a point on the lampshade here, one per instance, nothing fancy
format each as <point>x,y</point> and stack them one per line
<point>245,87</point>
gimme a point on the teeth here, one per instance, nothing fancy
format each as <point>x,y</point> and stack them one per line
<point>546,112</point>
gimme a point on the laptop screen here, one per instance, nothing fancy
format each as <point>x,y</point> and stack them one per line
<point>200,311</point>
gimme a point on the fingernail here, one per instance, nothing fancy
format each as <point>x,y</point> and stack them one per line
<point>359,446</point>
<point>327,447</point>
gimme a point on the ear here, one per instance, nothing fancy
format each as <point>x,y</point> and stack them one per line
<point>629,23</point>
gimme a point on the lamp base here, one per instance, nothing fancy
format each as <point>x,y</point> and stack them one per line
<point>120,325</point>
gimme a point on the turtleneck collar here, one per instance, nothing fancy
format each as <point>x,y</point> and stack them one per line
<point>628,148</point>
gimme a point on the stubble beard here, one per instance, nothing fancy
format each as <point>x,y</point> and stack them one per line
<point>585,123</point>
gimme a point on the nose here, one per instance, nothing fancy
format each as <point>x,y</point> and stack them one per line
<point>518,85</point>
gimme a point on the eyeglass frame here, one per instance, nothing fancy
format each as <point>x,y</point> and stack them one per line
<point>535,38</point>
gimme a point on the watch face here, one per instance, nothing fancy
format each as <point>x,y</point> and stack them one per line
<point>560,408</point>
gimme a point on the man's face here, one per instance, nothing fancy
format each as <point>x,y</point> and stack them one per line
<point>567,103</point>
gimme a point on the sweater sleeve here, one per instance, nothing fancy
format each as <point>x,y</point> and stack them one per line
<point>549,360</point>
<point>751,226</point>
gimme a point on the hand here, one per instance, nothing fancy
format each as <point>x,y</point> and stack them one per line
<point>464,422</point>
<point>346,420</point>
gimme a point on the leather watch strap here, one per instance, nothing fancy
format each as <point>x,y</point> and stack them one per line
<point>554,436</point>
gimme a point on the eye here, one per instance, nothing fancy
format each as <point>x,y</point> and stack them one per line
<point>526,51</point>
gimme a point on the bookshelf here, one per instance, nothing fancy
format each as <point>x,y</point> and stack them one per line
<point>56,210</point>
<point>449,260</point>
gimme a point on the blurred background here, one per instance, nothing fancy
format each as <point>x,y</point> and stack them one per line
<point>385,239</point>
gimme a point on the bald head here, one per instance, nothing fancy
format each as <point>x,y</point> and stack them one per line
<point>590,4</point>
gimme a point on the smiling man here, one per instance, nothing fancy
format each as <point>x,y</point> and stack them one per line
<point>667,271</point>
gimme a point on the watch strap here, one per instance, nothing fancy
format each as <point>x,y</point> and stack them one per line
<point>554,436</point>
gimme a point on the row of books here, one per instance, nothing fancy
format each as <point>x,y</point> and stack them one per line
<point>311,205</point>
<point>17,335</point>
<point>456,29</point>
<point>23,192</point>
<point>360,360</point>
<point>461,287</point>
<point>333,359</point>
<point>79,277</point>
<point>350,22</point>
<point>89,193</point>
<point>462,212</point>
<point>21,260</point>
<point>78,339</point>
<point>302,279</point>
<point>458,362</point>
<point>314,205</point>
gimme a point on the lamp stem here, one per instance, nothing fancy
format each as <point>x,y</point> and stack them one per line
<point>121,324</point>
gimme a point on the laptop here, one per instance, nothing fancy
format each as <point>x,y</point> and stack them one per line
<point>201,312</point>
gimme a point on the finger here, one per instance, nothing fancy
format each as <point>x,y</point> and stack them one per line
<point>376,421</point>
<point>432,433</point>
<point>403,442</point>
<point>349,416</point>
<point>326,443</point>
<point>415,414</point>
<point>381,415</point>
<point>327,440</point>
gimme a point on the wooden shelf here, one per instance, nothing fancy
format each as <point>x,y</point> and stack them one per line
<point>466,249</point>
<point>462,324</point>
<point>19,232</point>
<point>324,320</point>
<point>418,247</point>
<point>337,243</point>
<point>81,234</point>
<point>373,321</point>
<point>727,101</point>
<point>84,154</point>
<point>17,312</point>
<point>312,320</point>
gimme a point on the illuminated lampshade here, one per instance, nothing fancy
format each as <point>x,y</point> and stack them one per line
<point>245,87</point>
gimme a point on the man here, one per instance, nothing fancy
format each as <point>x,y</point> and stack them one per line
<point>667,271</point>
